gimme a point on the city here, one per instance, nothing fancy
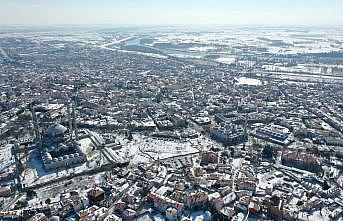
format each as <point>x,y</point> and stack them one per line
<point>171,123</point>
<point>201,125</point>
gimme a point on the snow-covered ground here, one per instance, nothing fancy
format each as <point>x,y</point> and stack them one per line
<point>248,81</point>
<point>86,146</point>
<point>316,215</point>
<point>35,172</point>
<point>226,60</point>
<point>202,49</point>
<point>142,147</point>
<point>276,41</point>
<point>54,191</point>
<point>201,216</point>
<point>6,159</point>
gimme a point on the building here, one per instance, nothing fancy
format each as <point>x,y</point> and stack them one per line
<point>301,160</point>
<point>274,134</point>
<point>196,199</point>
<point>5,191</point>
<point>171,213</point>
<point>161,203</point>
<point>62,155</point>
<point>96,194</point>
<point>92,213</point>
<point>209,157</point>
<point>228,134</point>
<point>39,217</point>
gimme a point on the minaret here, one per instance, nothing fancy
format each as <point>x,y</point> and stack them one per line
<point>245,128</point>
<point>70,120</point>
<point>35,124</point>
<point>74,120</point>
<point>193,95</point>
<point>158,163</point>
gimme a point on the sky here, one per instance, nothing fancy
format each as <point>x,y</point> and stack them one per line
<point>172,12</point>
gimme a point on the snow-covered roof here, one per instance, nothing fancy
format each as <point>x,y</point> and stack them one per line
<point>56,129</point>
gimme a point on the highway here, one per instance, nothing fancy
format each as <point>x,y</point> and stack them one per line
<point>105,46</point>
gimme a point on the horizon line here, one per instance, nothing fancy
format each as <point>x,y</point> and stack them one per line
<point>113,25</point>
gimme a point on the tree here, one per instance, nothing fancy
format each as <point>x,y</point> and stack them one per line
<point>21,204</point>
<point>225,154</point>
<point>31,193</point>
<point>48,201</point>
<point>232,151</point>
<point>222,159</point>
<point>300,203</point>
<point>268,152</point>
<point>215,149</point>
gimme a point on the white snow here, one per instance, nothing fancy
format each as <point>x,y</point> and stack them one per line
<point>226,60</point>
<point>248,81</point>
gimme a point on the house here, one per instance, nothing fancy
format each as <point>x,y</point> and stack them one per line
<point>39,217</point>
<point>5,191</point>
<point>209,157</point>
<point>196,199</point>
<point>92,213</point>
<point>162,203</point>
<point>96,194</point>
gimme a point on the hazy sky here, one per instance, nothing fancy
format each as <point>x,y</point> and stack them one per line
<point>164,12</point>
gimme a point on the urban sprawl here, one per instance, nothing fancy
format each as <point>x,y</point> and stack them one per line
<point>171,124</point>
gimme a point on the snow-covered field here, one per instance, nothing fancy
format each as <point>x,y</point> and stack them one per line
<point>142,148</point>
<point>226,60</point>
<point>6,159</point>
<point>276,41</point>
<point>248,81</point>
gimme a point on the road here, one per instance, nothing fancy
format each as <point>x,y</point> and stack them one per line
<point>155,55</point>
<point>235,171</point>
<point>103,168</point>
<point>99,144</point>
<point>145,153</point>
<point>14,201</point>
<point>105,46</point>
<point>117,198</point>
